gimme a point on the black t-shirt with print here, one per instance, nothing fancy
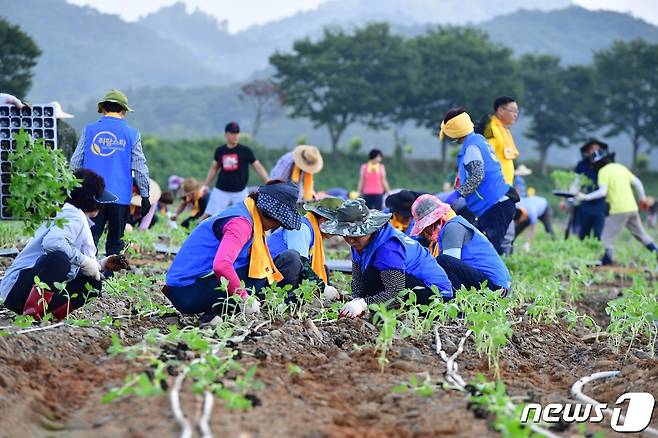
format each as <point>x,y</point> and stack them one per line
<point>233,167</point>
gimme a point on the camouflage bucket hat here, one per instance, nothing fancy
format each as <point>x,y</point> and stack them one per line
<point>354,219</point>
<point>325,207</point>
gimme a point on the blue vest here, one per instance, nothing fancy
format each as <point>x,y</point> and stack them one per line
<point>108,152</point>
<point>493,186</point>
<point>277,240</point>
<point>480,254</point>
<point>418,262</point>
<point>195,258</point>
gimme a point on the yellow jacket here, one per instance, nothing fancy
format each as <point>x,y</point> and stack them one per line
<point>501,140</point>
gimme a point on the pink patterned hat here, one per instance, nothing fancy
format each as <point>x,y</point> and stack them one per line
<point>426,210</point>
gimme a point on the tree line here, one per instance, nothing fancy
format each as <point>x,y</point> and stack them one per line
<point>373,76</point>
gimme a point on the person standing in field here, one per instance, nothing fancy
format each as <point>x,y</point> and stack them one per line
<point>299,166</point>
<point>372,180</point>
<point>590,215</point>
<point>232,162</point>
<point>479,178</point>
<point>113,149</point>
<point>498,135</point>
<point>616,184</point>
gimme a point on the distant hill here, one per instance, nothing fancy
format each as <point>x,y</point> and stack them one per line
<point>238,55</point>
<point>572,33</point>
<point>85,52</point>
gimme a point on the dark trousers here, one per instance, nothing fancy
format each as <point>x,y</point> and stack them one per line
<point>590,221</point>
<point>460,274</point>
<point>116,217</point>
<point>52,268</point>
<point>373,284</point>
<point>545,219</point>
<point>205,295</point>
<point>494,222</point>
<point>374,201</point>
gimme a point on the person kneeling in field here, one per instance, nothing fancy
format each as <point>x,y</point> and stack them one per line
<point>62,254</point>
<point>462,250</point>
<point>231,245</point>
<point>384,260</point>
<point>306,248</point>
<point>615,183</point>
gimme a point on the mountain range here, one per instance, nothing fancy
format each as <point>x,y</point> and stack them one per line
<point>85,50</point>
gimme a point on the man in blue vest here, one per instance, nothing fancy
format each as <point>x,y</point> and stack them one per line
<point>113,149</point>
<point>480,178</point>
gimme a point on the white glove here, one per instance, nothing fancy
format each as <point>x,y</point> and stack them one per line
<point>354,308</point>
<point>330,293</point>
<point>10,100</point>
<point>580,196</point>
<point>90,268</point>
<point>250,305</point>
<point>526,246</point>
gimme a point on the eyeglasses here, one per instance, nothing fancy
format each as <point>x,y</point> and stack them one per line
<point>513,111</point>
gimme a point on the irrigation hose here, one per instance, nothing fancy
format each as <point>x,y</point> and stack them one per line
<point>204,420</point>
<point>577,391</point>
<point>453,377</point>
<point>174,398</point>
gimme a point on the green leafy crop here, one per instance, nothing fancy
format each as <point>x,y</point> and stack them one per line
<point>41,180</point>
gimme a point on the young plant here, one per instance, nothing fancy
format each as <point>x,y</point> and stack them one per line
<point>634,315</point>
<point>41,179</point>
<point>387,321</point>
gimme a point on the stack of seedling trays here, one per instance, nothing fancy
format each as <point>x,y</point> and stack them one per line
<point>38,122</point>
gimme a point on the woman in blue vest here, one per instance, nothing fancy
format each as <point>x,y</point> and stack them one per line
<point>480,178</point>
<point>384,260</point>
<point>305,247</point>
<point>230,248</point>
<point>461,249</point>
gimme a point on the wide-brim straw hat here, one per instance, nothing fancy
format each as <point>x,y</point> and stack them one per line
<point>154,194</point>
<point>354,219</point>
<point>325,207</point>
<point>308,158</point>
<point>523,170</point>
<point>189,186</point>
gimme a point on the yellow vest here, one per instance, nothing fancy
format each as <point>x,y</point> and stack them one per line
<point>501,140</point>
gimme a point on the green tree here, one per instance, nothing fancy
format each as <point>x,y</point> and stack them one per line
<point>457,67</point>
<point>627,74</point>
<point>344,78</point>
<point>18,56</point>
<point>559,100</point>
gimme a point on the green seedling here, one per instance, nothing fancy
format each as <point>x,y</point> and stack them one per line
<point>41,180</point>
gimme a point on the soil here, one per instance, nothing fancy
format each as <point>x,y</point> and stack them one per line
<point>51,381</point>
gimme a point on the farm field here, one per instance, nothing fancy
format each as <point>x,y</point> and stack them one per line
<point>128,365</point>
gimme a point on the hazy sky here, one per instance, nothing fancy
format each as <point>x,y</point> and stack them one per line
<point>247,12</point>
